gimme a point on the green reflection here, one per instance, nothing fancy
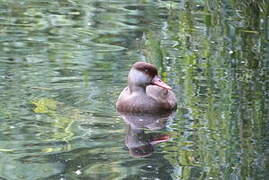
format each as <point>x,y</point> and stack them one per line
<point>77,55</point>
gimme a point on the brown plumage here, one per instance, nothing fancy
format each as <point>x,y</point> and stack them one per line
<point>145,93</point>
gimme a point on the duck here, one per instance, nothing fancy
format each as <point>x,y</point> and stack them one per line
<point>151,121</point>
<point>146,92</point>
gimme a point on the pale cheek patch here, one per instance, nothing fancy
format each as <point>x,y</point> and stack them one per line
<point>139,77</point>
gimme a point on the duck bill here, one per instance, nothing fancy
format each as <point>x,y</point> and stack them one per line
<point>158,82</point>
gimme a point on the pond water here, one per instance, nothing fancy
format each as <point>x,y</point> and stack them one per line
<point>64,63</point>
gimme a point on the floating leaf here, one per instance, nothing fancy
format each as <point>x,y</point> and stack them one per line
<point>6,150</point>
<point>45,105</point>
<point>249,31</point>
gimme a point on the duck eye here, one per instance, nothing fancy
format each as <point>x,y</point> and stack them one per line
<point>146,70</point>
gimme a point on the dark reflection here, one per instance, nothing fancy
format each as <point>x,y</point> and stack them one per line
<point>140,143</point>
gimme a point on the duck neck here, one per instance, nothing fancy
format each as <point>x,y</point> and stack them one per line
<point>137,89</point>
<point>136,81</point>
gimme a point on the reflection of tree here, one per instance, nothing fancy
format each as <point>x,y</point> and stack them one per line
<point>249,87</point>
<point>215,54</point>
<point>221,66</point>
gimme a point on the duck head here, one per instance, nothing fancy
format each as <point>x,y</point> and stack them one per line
<point>143,74</point>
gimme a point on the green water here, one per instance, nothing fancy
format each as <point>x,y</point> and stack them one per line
<point>64,63</point>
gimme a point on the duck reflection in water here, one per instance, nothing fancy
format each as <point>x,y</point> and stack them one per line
<point>140,143</point>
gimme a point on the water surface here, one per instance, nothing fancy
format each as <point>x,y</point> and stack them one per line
<point>64,63</point>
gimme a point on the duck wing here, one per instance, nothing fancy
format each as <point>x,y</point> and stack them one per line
<point>162,96</point>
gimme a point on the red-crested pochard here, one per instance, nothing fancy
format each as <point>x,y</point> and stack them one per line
<point>146,92</point>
